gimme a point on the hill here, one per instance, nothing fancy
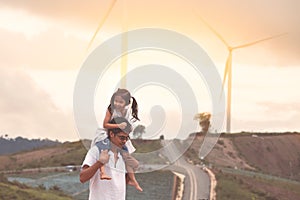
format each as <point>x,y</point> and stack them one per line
<point>14,145</point>
<point>260,166</point>
<point>18,191</point>
<point>253,166</point>
<point>273,154</point>
<point>69,153</point>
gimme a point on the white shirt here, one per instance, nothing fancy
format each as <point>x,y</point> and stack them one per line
<point>114,189</point>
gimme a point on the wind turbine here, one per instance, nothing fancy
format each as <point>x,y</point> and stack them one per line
<point>228,67</point>
<point>101,23</point>
<point>124,61</point>
<point>124,37</point>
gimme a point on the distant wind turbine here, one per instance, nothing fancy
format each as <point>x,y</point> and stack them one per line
<point>124,61</point>
<point>101,23</point>
<point>228,68</point>
<point>124,38</point>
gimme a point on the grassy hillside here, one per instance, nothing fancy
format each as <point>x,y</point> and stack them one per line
<point>145,146</point>
<point>236,187</point>
<point>60,155</point>
<point>244,153</point>
<point>70,153</point>
<point>274,154</point>
<point>147,151</point>
<point>19,191</point>
<point>14,145</point>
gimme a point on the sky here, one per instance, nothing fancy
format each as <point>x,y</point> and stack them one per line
<point>45,43</point>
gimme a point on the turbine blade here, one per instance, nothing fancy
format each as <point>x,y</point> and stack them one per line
<point>258,41</point>
<point>214,31</point>
<point>101,23</point>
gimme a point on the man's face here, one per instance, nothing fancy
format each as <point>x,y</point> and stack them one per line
<point>119,139</point>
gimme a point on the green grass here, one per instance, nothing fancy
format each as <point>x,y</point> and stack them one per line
<point>74,156</point>
<point>19,191</point>
<point>229,188</point>
<point>22,192</point>
<point>192,155</point>
<point>76,153</point>
<point>235,187</point>
<point>147,151</point>
<point>145,146</point>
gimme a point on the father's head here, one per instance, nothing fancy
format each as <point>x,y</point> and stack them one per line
<point>119,136</point>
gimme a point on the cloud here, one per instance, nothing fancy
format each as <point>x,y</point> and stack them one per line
<point>239,22</point>
<point>277,117</point>
<point>237,18</point>
<point>64,11</point>
<point>277,125</point>
<point>50,50</point>
<point>281,110</point>
<point>26,107</point>
<point>28,111</point>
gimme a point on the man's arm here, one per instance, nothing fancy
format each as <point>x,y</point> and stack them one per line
<point>87,172</point>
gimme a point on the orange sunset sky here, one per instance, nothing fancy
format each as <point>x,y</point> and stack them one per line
<point>44,43</point>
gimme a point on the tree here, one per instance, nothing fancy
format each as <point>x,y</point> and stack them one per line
<point>204,120</point>
<point>139,131</point>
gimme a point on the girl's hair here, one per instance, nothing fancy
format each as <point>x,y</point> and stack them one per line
<point>125,94</point>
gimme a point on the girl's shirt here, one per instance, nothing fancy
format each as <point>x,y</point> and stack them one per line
<point>101,133</point>
<point>127,115</point>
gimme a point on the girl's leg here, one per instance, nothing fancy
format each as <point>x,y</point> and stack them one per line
<point>133,182</point>
<point>103,175</point>
<point>131,165</point>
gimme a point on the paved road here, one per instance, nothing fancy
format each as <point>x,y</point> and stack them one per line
<point>196,185</point>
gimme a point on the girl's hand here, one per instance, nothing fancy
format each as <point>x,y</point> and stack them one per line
<point>122,125</point>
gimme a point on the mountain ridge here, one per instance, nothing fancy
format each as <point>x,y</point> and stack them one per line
<point>19,144</point>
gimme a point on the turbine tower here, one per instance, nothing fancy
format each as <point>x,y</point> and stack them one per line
<point>228,68</point>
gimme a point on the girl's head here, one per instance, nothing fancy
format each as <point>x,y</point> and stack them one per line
<point>122,98</point>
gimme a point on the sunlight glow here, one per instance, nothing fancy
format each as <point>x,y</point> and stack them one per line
<point>20,21</point>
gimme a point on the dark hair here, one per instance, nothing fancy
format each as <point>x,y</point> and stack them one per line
<point>125,94</point>
<point>119,120</point>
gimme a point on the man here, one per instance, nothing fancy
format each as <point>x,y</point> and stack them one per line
<point>114,189</point>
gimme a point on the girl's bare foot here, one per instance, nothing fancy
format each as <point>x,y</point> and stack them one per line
<point>135,184</point>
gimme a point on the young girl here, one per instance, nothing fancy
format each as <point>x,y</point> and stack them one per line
<point>119,107</point>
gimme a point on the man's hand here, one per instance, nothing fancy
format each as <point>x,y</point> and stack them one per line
<point>104,157</point>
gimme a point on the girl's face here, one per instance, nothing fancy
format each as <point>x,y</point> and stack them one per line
<point>119,103</point>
